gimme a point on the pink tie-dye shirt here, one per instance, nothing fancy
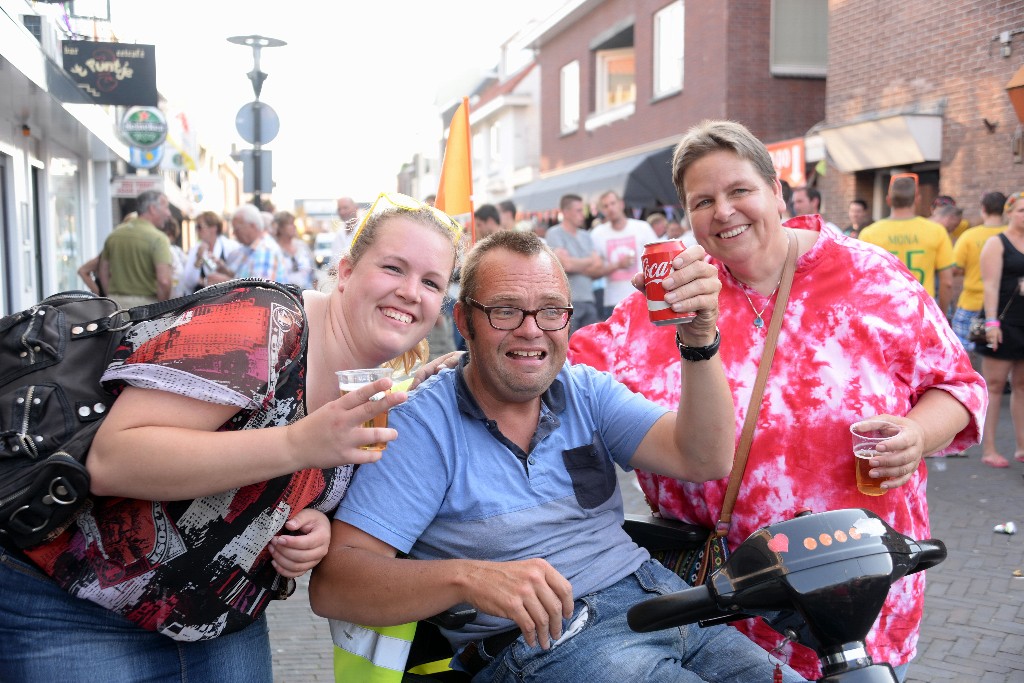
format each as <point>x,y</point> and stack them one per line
<point>860,338</point>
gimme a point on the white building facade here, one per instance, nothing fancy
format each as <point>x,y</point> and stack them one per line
<point>56,160</point>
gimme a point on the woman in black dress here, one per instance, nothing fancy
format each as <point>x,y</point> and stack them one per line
<point>1002,273</point>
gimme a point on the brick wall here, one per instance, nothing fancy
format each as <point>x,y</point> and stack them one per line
<point>919,54</point>
<point>726,75</point>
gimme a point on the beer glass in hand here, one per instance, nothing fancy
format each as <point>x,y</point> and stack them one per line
<point>350,380</point>
<point>867,434</point>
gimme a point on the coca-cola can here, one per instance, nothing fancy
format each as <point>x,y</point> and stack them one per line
<point>656,265</point>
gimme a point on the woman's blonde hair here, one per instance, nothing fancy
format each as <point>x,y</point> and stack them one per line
<point>1011,200</point>
<point>367,234</point>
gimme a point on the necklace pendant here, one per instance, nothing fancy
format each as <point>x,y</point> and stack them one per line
<point>759,322</point>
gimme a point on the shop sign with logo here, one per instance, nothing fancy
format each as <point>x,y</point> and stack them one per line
<point>145,158</point>
<point>134,185</point>
<point>112,73</point>
<point>144,127</point>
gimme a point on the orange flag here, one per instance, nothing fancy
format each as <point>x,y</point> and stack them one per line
<point>455,191</point>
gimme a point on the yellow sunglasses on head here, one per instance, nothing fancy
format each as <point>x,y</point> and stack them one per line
<point>406,203</point>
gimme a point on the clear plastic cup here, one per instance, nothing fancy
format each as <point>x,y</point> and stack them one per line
<point>351,380</point>
<point>867,434</point>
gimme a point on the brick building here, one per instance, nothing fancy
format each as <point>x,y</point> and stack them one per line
<point>621,80</point>
<point>920,86</point>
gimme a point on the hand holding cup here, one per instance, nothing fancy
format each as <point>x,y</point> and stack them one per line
<point>866,436</point>
<point>351,380</point>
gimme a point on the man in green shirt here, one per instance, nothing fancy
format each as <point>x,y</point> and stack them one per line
<point>135,265</point>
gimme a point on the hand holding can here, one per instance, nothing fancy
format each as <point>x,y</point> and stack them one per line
<point>351,380</point>
<point>656,265</point>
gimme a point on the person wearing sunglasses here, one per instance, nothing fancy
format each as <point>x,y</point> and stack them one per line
<point>212,479</point>
<point>298,258</point>
<point>501,490</point>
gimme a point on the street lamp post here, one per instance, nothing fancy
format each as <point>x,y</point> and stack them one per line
<point>257,109</point>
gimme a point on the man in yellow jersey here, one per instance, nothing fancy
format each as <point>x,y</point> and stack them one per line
<point>922,245</point>
<point>967,253</point>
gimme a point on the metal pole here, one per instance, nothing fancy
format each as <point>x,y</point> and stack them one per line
<point>257,77</point>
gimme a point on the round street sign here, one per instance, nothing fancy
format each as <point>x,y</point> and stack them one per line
<point>245,123</point>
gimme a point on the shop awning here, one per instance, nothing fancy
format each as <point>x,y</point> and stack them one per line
<point>642,180</point>
<point>884,142</point>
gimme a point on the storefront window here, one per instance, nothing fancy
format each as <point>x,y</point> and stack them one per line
<point>67,223</point>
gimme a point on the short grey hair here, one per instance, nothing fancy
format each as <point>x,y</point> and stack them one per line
<point>250,214</point>
<point>711,136</point>
<point>147,199</point>
<point>522,243</point>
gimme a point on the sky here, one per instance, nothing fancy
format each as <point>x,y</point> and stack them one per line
<point>358,88</point>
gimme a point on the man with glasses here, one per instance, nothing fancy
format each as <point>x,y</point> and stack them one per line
<point>501,490</point>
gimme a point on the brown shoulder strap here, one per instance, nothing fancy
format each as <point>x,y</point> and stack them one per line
<point>747,436</point>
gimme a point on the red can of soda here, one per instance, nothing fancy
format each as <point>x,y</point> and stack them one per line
<point>656,264</point>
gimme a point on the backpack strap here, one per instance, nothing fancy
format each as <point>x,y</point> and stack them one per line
<point>148,311</point>
<point>125,318</point>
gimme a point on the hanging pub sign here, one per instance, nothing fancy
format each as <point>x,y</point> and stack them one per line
<point>144,127</point>
<point>112,73</point>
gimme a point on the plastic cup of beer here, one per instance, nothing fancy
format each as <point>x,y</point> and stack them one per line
<point>351,380</point>
<point>867,434</point>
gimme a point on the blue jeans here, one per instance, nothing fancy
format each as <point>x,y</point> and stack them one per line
<point>50,635</point>
<point>961,324</point>
<point>606,650</point>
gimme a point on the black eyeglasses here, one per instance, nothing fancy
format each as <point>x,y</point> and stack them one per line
<point>508,318</point>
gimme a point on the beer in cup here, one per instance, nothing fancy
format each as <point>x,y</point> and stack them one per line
<point>867,434</point>
<point>350,380</point>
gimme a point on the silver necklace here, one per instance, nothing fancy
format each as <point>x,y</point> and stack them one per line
<point>758,320</point>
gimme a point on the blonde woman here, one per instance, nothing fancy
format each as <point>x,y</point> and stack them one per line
<point>1002,357</point>
<point>212,479</point>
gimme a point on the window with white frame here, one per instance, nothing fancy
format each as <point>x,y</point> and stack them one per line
<point>479,140</point>
<point>570,97</point>
<point>495,156</point>
<point>615,78</point>
<point>668,49</point>
<point>799,38</point>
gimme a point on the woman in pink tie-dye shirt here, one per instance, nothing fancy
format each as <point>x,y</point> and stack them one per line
<point>860,338</point>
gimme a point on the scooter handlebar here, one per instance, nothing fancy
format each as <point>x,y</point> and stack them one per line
<point>932,552</point>
<point>684,607</point>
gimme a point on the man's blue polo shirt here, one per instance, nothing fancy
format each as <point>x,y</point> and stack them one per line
<point>452,486</point>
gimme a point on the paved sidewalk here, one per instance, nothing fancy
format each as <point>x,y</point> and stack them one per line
<point>974,607</point>
<point>974,610</point>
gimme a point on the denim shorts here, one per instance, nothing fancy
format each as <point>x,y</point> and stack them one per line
<point>605,650</point>
<point>961,324</point>
<point>50,635</point>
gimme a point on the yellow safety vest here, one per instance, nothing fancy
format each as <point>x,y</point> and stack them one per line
<point>371,654</point>
<point>375,654</point>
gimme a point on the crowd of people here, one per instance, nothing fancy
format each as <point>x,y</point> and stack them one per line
<point>216,483</point>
